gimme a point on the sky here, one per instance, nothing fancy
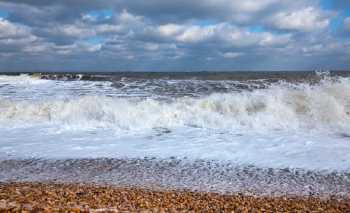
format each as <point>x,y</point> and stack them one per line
<point>174,35</point>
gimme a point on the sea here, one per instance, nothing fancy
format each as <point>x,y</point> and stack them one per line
<point>259,133</point>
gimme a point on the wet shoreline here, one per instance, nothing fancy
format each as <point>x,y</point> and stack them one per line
<point>181,174</point>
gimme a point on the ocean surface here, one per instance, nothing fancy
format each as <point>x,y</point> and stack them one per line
<point>283,124</point>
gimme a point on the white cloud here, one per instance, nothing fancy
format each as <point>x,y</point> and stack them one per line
<point>196,34</point>
<point>11,30</point>
<point>37,48</point>
<point>347,24</point>
<point>80,29</point>
<point>15,37</point>
<point>88,17</point>
<point>94,48</point>
<point>151,46</point>
<point>186,33</point>
<point>326,48</point>
<point>77,30</point>
<point>249,5</point>
<point>130,57</point>
<point>108,28</point>
<point>232,54</point>
<point>221,33</point>
<point>128,18</point>
<point>240,37</point>
<point>307,19</point>
<point>170,29</point>
<point>269,39</point>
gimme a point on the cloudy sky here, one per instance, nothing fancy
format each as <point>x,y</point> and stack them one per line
<point>174,35</point>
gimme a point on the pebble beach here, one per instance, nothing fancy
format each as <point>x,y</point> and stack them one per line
<point>78,197</point>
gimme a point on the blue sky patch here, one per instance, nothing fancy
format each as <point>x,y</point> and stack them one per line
<point>100,15</point>
<point>347,13</point>
<point>3,13</point>
<point>336,23</point>
<point>96,40</point>
<point>327,4</point>
<point>256,29</point>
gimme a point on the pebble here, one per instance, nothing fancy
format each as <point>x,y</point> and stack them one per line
<point>52,197</point>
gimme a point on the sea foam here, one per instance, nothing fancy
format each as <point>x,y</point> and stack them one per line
<point>281,106</point>
<point>272,124</point>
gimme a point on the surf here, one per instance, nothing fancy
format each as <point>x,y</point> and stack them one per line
<point>280,106</point>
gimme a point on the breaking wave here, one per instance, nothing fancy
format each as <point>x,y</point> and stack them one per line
<point>281,106</point>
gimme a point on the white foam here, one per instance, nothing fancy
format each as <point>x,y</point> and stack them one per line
<point>285,125</point>
<point>281,107</point>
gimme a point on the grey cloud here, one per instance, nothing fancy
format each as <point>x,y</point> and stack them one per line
<point>347,24</point>
<point>171,35</point>
<point>177,11</point>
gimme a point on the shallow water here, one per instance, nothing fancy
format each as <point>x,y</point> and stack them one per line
<point>181,174</point>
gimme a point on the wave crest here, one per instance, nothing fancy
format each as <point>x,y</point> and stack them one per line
<point>284,106</point>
